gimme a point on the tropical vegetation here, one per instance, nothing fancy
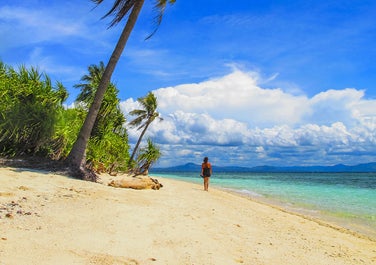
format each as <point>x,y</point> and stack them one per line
<point>35,122</point>
<point>147,157</point>
<point>144,117</point>
<point>29,108</point>
<point>108,144</point>
<point>120,9</point>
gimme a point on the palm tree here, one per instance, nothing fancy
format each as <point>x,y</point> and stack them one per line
<point>148,114</point>
<point>90,82</point>
<point>109,113</point>
<point>148,156</point>
<point>108,142</point>
<point>120,9</point>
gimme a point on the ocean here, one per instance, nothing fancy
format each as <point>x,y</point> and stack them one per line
<point>344,199</point>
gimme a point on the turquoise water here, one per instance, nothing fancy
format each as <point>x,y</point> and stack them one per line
<point>346,199</point>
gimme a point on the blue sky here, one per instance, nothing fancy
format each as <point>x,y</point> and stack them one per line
<point>248,83</point>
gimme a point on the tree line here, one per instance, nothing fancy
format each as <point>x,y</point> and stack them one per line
<point>95,132</point>
<point>34,121</point>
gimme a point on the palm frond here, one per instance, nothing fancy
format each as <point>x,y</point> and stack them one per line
<point>160,7</point>
<point>119,10</point>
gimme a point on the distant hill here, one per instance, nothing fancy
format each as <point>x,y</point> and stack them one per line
<point>191,167</point>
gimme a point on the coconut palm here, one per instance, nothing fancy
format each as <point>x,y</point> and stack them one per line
<point>108,143</point>
<point>109,113</point>
<point>90,82</point>
<point>148,156</point>
<point>120,9</point>
<point>145,117</point>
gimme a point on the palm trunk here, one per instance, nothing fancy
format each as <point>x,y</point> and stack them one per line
<point>138,143</point>
<point>77,156</point>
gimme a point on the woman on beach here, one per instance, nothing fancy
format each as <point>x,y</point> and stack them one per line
<point>206,172</point>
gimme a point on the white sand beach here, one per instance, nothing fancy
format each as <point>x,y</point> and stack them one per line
<point>52,219</point>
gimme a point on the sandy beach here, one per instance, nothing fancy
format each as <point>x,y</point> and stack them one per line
<point>52,219</point>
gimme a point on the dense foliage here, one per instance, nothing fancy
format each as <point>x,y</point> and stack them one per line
<point>29,108</point>
<point>68,124</point>
<point>33,120</point>
<point>108,148</point>
<point>148,156</point>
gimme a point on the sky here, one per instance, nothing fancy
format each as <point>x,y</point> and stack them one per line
<point>250,83</point>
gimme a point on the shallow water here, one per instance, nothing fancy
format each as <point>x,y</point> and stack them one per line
<point>346,199</point>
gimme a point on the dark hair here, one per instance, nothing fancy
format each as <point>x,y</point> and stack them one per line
<point>206,159</point>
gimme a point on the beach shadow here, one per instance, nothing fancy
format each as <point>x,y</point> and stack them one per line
<point>41,171</point>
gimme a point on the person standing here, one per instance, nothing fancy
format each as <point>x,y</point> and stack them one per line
<point>206,172</point>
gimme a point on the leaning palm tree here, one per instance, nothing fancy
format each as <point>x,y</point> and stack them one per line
<point>120,9</point>
<point>145,117</point>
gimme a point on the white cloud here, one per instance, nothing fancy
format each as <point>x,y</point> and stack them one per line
<point>233,116</point>
<point>336,105</point>
<point>235,96</point>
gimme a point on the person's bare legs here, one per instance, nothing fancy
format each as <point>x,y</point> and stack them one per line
<point>206,183</point>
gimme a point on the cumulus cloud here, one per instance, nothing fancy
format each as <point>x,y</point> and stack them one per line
<point>235,96</point>
<point>237,121</point>
<point>336,105</point>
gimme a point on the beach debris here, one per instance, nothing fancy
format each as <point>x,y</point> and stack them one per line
<point>137,183</point>
<point>14,208</point>
<point>9,215</point>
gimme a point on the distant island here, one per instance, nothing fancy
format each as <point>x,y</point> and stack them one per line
<point>191,167</point>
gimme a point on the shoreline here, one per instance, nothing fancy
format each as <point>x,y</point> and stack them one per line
<point>362,230</point>
<point>67,221</point>
<point>320,218</point>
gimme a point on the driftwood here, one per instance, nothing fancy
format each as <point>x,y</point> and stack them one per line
<point>137,183</point>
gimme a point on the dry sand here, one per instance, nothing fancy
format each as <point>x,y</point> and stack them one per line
<point>53,219</point>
